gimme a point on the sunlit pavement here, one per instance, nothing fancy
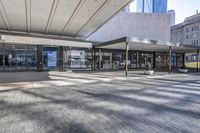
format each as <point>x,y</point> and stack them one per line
<point>102,102</point>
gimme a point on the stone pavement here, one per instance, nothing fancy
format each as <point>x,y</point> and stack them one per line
<point>102,103</point>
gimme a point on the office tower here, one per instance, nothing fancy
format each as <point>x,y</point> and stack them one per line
<point>152,6</point>
<point>172,17</point>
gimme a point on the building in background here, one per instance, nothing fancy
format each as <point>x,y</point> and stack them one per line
<point>140,25</point>
<point>172,17</point>
<point>188,33</point>
<point>152,6</point>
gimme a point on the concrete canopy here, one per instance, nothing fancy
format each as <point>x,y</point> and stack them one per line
<point>146,45</point>
<point>21,40</point>
<point>72,18</point>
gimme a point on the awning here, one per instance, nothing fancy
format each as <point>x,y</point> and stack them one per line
<point>146,45</point>
<point>22,40</point>
<point>74,18</point>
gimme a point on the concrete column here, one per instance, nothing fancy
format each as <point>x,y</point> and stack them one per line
<point>197,60</point>
<point>170,59</point>
<point>127,48</point>
<point>39,58</point>
<point>111,64</point>
<point>4,57</point>
<point>154,59</point>
<point>100,59</point>
<point>60,58</point>
<point>137,60</point>
<point>183,58</point>
<point>93,64</point>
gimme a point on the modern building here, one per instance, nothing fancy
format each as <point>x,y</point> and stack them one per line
<point>51,35</point>
<point>140,25</point>
<point>188,33</point>
<point>152,6</point>
<point>172,17</point>
<point>45,35</point>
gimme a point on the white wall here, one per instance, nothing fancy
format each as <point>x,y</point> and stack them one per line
<point>140,25</point>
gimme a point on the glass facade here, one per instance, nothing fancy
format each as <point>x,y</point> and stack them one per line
<point>18,57</point>
<point>148,6</point>
<point>140,5</point>
<point>29,58</point>
<point>160,6</point>
<point>78,59</point>
<point>152,6</point>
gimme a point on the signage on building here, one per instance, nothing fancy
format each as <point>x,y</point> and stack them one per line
<point>52,58</point>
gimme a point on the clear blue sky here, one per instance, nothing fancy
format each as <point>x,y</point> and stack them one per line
<point>183,8</point>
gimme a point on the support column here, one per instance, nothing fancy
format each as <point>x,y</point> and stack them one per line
<point>154,59</point>
<point>39,58</point>
<point>95,63</point>
<point>100,59</point>
<point>170,59</point>
<point>4,65</point>
<point>127,48</point>
<point>197,60</point>
<point>60,58</point>
<point>183,58</point>
<point>111,64</point>
<point>137,59</point>
<point>92,52</point>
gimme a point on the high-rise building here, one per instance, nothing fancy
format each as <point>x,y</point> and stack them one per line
<point>152,6</point>
<point>172,17</point>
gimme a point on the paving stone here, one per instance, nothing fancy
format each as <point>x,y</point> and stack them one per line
<point>104,104</point>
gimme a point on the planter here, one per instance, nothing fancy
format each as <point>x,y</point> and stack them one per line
<point>148,72</point>
<point>183,70</point>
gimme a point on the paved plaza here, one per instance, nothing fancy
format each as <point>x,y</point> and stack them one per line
<point>104,102</point>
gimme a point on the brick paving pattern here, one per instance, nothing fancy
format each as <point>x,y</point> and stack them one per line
<point>102,103</point>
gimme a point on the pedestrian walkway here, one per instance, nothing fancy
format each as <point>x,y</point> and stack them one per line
<point>101,102</point>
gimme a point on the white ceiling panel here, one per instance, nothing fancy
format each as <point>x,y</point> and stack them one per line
<point>104,14</point>
<point>88,9</point>
<point>75,18</point>
<point>17,17</point>
<point>2,24</point>
<point>62,15</point>
<point>40,11</point>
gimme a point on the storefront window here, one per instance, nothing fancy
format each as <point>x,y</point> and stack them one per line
<point>145,58</point>
<point>18,57</point>
<point>78,59</point>
<point>159,60</point>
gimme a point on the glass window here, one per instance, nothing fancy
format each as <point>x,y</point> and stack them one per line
<point>19,57</point>
<point>145,58</point>
<point>159,60</point>
<point>79,58</point>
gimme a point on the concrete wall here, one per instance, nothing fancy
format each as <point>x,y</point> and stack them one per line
<point>140,25</point>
